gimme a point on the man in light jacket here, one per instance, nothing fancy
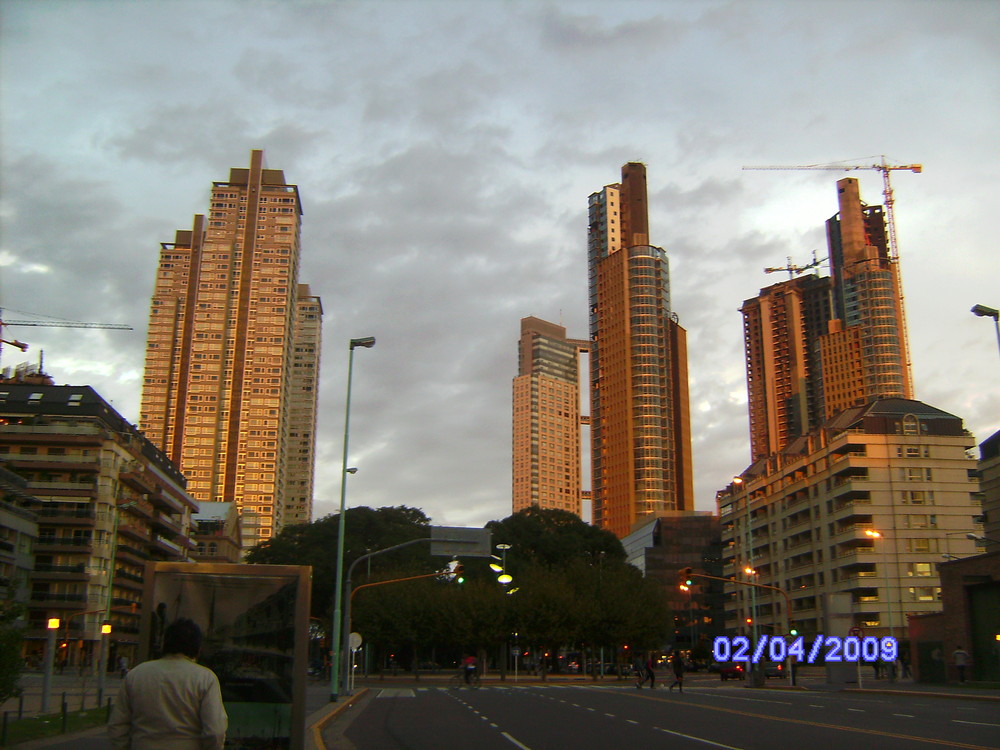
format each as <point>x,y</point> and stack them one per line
<point>171,703</point>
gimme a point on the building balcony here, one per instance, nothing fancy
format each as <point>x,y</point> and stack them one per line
<point>138,480</point>
<point>86,488</point>
<point>49,599</point>
<point>65,516</point>
<point>164,502</point>
<point>64,544</point>
<point>131,552</point>
<point>51,463</point>
<point>136,532</point>
<point>164,523</point>
<point>166,547</point>
<point>852,531</point>
<point>50,572</point>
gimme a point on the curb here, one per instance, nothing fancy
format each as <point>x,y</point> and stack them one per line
<point>315,730</point>
<point>926,694</point>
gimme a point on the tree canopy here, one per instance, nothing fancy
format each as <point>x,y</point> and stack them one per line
<point>573,586</point>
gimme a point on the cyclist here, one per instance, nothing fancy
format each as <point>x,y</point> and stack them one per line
<point>470,665</point>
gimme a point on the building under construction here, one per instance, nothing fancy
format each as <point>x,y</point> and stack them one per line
<point>816,346</point>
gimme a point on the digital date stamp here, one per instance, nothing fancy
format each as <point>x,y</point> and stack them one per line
<point>822,648</point>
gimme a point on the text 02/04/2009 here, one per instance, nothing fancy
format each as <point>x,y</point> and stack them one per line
<point>824,648</point>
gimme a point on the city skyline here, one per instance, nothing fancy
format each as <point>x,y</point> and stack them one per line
<point>442,178</point>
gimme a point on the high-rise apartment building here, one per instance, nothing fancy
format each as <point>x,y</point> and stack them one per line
<point>106,501</point>
<point>230,352</point>
<point>818,345</point>
<point>546,419</point>
<point>864,507</point>
<point>640,416</point>
<point>308,339</point>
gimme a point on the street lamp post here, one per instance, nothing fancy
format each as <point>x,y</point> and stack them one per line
<point>989,312</point>
<point>888,580</point>
<point>368,342</point>
<point>48,661</point>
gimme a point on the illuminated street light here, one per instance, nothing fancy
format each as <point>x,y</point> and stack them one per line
<point>888,581</point>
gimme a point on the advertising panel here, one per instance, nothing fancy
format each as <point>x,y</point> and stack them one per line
<point>255,619</point>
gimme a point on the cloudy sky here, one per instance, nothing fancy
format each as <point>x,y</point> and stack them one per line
<point>444,152</point>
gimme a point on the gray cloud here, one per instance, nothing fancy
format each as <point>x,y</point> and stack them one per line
<point>445,152</point>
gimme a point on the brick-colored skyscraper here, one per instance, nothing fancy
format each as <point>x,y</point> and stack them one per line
<point>546,419</point>
<point>226,353</point>
<point>640,416</point>
<point>816,346</point>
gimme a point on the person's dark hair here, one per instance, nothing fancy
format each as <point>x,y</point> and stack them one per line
<point>182,636</point>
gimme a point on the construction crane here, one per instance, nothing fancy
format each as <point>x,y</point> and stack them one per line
<point>51,323</point>
<point>790,268</point>
<point>885,168</point>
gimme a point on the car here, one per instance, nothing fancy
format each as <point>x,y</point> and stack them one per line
<point>774,669</point>
<point>730,671</point>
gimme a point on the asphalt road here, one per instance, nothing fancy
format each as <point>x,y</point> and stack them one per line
<point>554,717</point>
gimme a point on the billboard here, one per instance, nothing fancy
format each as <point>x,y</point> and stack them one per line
<point>255,619</point>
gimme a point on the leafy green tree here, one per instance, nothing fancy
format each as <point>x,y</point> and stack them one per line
<point>11,637</point>
<point>367,530</point>
<point>553,537</point>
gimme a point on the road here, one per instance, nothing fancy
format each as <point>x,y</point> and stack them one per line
<point>554,717</point>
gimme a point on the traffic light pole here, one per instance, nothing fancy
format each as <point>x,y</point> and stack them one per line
<point>788,603</point>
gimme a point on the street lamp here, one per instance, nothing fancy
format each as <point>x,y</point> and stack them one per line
<point>983,311</point>
<point>367,342</point>
<point>888,585</point>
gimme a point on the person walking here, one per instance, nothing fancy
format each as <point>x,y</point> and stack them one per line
<point>677,663</point>
<point>961,658</point>
<point>170,703</point>
<point>648,672</point>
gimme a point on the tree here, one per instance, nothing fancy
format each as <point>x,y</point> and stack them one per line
<point>554,537</point>
<point>11,637</point>
<point>367,530</point>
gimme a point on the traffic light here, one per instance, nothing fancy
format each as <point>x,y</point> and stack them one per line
<point>749,621</point>
<point>685,579</point>
<point>453,572</point>
<point>793,631</point>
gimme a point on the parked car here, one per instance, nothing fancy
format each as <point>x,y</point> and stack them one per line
<point>730,671</point>
<point>774,669</point>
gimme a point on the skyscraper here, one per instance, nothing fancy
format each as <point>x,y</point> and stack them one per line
<point>640,417</point>
<point>546,419</point>
<point>818,345</point>
<point>230,351</point>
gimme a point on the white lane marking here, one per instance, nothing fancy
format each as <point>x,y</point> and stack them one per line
<point>977,723</point>
<point>396,693</point>
<point>857,710</point>
<point>905,716</point>
<point>816,705</point>
<point>610,716</point>
<point>631,721</point>
<point>697,739</point>
<point>518,744</point>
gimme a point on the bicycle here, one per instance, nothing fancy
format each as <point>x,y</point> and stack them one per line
<point>458,679</point>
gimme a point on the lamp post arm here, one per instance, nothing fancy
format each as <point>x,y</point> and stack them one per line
<point>345,631</point>
<point>788,601</point>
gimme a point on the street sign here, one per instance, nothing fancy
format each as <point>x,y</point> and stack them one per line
<point>459,541</point>
<point>355,641</point>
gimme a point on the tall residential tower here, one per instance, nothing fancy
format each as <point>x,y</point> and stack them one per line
<point>546,419</point>
<point>231,353</point>
<point>640,417</point>
<point>816,346</point>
